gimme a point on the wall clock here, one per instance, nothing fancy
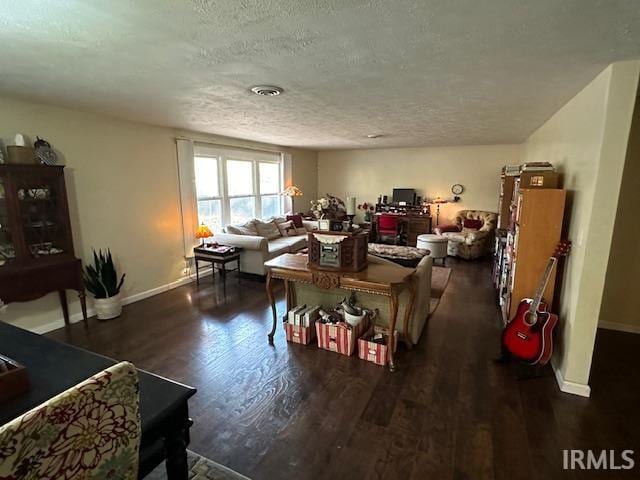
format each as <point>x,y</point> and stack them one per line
<point>457,189</point>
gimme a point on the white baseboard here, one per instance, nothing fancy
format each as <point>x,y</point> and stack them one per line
<point>77,317</point>
<point>620,327</point>
<point>566,386</point>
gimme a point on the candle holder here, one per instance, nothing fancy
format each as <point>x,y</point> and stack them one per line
<point>351,217</point>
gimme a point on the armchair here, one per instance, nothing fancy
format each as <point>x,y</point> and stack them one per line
<point>91,430</point>
<point>470,243</point>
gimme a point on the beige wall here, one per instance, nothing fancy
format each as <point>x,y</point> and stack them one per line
<point>619,310</point>
<point>587,140</point>
<point>123,193</point>
<point>432,171</point>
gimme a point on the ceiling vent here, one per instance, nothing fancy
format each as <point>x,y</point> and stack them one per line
<point>267,90</point>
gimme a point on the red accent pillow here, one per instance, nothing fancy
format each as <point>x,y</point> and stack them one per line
<point>472,223</point>
<point>449,228</point>
<point>296,219</point>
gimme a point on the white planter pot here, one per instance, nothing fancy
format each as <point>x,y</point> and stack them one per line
<point>107,308</point>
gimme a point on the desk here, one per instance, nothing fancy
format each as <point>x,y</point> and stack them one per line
<point>54,367</point>
<point>377,279</point>
<point>412,225</point>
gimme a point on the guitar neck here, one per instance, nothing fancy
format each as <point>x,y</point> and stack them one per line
<point>537,299</point>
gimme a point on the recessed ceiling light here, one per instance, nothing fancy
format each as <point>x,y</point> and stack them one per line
<point>374,135</point>
<point>267,90</point>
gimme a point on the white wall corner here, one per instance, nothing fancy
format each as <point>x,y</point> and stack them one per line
<point>581,389</point>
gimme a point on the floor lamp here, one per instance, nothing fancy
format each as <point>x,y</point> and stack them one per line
<point>439,201</point>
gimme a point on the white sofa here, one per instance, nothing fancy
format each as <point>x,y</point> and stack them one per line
<point>258,249</point>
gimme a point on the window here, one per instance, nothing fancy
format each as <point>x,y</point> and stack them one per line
<point>232,187</point>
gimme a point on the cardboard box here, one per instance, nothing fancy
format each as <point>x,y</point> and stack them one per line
<point>340,337</point>
<point>299,334</point>
<point>377,353</point>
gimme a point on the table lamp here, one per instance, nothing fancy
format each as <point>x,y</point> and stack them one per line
<point>203,232</point>
<point>292,191</point>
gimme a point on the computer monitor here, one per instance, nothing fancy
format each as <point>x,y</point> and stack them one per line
<point>405,196</point>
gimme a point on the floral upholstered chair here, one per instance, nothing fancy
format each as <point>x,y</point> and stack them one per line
<point>471,235</point>
<point>91,431</point>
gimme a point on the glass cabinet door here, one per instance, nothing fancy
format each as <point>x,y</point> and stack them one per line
<point>7,247</point>
<point>41,215</point>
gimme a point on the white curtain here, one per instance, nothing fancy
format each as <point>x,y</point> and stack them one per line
<point>188,206</point>
<point>288,178</point>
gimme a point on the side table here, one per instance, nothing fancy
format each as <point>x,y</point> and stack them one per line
<point>218,255</point>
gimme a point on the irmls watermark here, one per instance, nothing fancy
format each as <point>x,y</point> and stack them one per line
<point>598,459</point>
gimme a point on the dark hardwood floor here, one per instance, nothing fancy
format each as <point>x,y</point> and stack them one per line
<point>296,412</point>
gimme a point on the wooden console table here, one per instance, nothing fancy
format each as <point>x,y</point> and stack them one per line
<point>377,279</point>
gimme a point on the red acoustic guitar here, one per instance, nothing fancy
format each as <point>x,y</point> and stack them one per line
<point>529,335</point>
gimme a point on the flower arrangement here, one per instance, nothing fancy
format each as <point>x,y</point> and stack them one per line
<point>368,208</point>
<point>329,207</point>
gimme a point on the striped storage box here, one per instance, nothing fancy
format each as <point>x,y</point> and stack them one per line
<point>341,337</point>
<point>299,334</point>
<point>377,353</point>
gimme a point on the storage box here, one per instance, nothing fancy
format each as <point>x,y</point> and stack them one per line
<point>299,334</point>
<point>18,154</point>
<point>377,353</point>
<point>13,378</point>
<point>340,337</point>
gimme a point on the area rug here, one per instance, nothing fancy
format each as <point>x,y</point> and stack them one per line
<point>200,468</point>
<point>439,280</point>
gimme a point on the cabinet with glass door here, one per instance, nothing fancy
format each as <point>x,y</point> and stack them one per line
<point>36,246</point>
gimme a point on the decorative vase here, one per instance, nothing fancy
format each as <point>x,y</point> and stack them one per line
<point>108,308</point>
<point>367,216</point>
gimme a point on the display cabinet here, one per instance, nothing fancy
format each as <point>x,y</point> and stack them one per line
<point>36,245</point>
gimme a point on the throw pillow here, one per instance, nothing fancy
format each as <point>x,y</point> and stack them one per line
<point>286,229</point>
<point>296,219</point>
<point>248,228</point>
<point>232,229</point>
<point>449,228</point>
<point>472,223</point>
<point>269,230</point>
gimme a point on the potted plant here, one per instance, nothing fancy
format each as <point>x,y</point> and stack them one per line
<point>101,279</point>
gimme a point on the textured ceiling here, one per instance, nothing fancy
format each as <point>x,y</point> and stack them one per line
<point>448,72</point>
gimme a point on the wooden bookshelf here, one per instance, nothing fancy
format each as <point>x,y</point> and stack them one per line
<point>534,230</point>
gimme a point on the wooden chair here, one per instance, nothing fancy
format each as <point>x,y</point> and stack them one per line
<point>389,226</point>
<point>89,431</point>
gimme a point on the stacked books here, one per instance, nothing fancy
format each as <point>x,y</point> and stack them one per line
<point>537,167</point>
<point>303,315</point>
<point>511,170</point>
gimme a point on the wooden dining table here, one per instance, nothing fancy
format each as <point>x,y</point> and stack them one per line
<point>53,367</point>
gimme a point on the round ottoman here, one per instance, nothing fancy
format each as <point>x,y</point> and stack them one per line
<point>436,244</point>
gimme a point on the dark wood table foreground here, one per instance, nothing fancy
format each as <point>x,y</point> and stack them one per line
<point>54,367</point>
